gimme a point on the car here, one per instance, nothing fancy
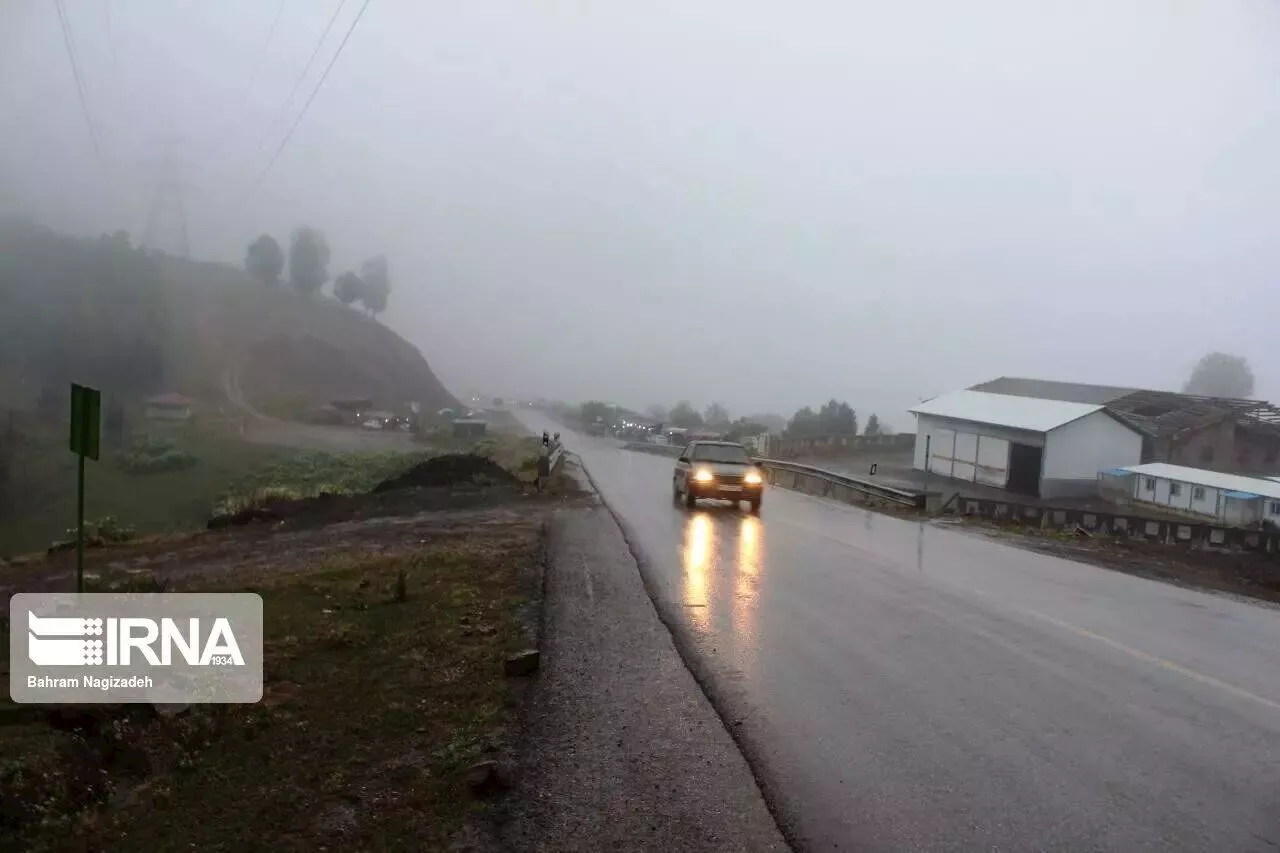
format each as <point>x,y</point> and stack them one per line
<point>722,470</point>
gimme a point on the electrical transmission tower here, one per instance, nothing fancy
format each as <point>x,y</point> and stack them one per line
<point>166,227</point>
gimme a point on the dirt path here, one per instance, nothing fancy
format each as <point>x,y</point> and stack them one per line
<point>264,429</point>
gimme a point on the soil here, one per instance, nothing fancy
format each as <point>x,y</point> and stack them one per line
<point>452,469</point>
<point>1246,574</point>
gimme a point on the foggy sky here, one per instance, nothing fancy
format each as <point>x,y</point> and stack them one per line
<point>758,203</point>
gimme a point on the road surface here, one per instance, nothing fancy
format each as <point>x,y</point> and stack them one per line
<point>899,686</point>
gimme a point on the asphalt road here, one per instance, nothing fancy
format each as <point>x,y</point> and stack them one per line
<point>899,686</point>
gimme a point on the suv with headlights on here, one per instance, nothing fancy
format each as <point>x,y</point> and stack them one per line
<point>717,469</point>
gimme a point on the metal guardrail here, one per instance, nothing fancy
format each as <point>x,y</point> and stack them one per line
<point>856,485</point>
<point>557,455</point>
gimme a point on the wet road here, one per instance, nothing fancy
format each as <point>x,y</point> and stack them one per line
<point>900,686</point>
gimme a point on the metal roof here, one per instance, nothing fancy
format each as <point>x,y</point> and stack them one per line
<point>1031,414</point>
<point>1050,389</point>
<point>1212,479</point>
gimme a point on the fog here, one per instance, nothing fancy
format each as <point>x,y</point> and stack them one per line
<point>762,205</point>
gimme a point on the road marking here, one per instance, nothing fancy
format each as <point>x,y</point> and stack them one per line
<point>1156,660</point>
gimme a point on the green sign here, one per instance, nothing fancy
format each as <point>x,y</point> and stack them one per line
<point>86,420</point>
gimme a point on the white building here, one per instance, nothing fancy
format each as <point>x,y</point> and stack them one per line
<point>1027,445</point>
<point>1232,499</point>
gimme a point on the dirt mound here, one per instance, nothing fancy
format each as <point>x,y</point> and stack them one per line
<point>452,469</point>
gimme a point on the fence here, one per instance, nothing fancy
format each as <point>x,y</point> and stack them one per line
<point>813,481</point>
<point>818,481</point>
<point>835,445</point>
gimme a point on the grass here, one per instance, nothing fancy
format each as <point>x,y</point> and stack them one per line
<point>40,499</point>
<point>378,698</point>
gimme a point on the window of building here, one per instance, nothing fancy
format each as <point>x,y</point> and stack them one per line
<point>1197,493</point>
<point>1206,455</point>
<point>1274,508</point>
<point>1149,483</point>
<point>1175,489</point>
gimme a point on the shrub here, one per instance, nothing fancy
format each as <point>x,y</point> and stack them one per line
<point>150,455</point>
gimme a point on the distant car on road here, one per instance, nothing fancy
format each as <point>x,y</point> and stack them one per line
<point>722,470</point>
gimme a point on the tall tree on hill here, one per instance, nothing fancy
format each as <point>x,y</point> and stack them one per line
<point>1218,374</point>
<point>308,260</point>
<point>348,287</point>
<point>377,284</point>
<point>872,428</point>
<point>264,259</point>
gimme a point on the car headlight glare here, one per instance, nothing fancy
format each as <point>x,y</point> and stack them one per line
<point>702,475</point>
<point>753,478</point>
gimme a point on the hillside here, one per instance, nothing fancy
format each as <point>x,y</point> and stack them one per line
<point>136,323</point>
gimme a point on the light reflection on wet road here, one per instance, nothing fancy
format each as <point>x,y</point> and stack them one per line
<point>901,686</point>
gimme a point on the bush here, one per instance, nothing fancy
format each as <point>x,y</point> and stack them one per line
<point>106,529</point>
<point>151,456</point>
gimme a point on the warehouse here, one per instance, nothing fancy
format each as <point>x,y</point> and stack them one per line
<point>1026,445</point>
<point>1232,499</point>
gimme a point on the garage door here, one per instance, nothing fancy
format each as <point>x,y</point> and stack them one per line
<point>993,461</point>
<point>942,445</point>
<point>965,459</point>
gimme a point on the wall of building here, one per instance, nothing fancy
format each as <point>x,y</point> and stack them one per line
<point>928,427</point>
<point>1224,446</point>
<point>1182,497</point>
<point>1074,454</point>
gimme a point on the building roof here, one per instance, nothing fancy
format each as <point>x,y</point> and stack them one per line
<point>170,398</point>
<point>1048,389</point>
<point>1025,413</point>
<point>1255,486</point>
<point>1160,414</point>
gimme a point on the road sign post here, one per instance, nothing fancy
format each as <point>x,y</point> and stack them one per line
<point>927,460</point>
<point>86,436</point>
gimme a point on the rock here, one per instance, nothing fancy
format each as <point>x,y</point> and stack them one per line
<point>522,663</point>
<point>487,777</point>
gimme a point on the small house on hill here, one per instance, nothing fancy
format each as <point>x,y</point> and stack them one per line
<point>170,406</point>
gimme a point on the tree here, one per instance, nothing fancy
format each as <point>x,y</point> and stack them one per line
<point>308,260</point>
<point>834,418</point>
<point>264,259</point>
<point>1218,374</point>
<point>594,411</point>
<point>377,284</point>
<point>348,287</point>
<point>873,426</point>
<point>684,415</point>
<point>716,415</point>
<point>657,412</point>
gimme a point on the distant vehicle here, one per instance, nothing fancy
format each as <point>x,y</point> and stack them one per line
<point>722,470</point>
<point>372,423</point>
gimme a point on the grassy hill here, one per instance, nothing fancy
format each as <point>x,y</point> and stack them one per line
<point>136,323</point>
<point>133,324</point>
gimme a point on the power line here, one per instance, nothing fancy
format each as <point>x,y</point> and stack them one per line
<point>262,57</point>
<point>325,76</point>
<point>297,84</point>
<point>75,72</point>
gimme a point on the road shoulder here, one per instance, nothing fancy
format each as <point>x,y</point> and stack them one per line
<point>621,748</point>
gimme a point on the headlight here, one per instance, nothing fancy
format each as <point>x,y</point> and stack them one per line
<point>703,476</point>
<point>752,478</point>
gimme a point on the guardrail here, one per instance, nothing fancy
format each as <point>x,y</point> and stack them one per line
<point>811,480</point>
<point>557,455</point>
